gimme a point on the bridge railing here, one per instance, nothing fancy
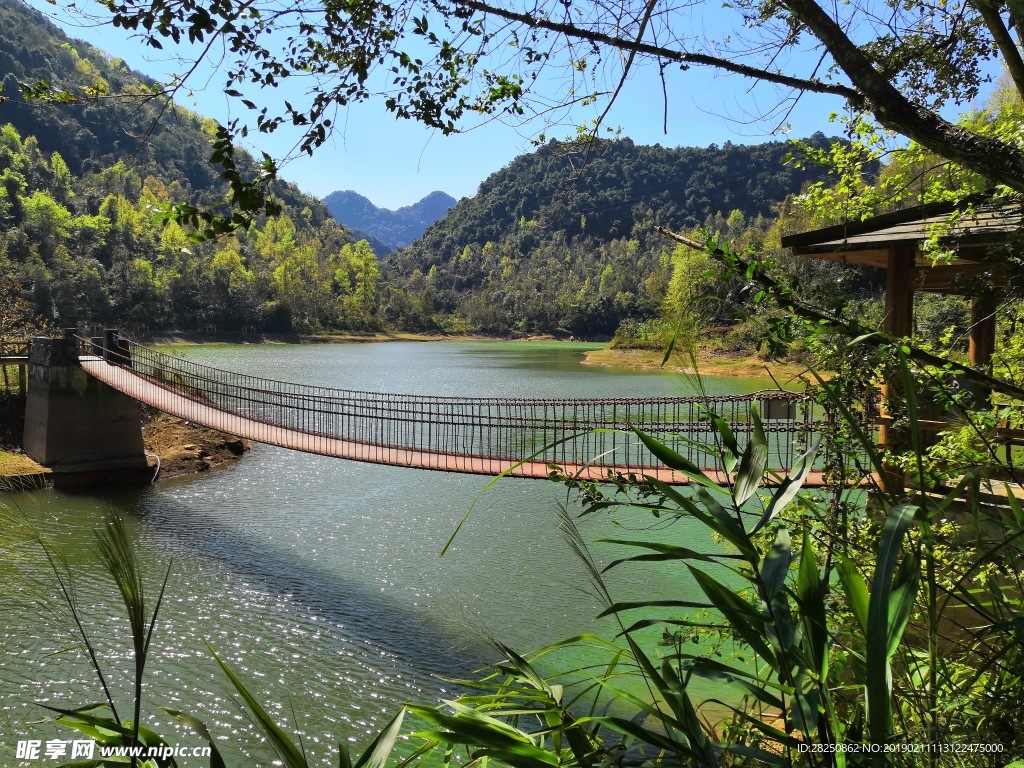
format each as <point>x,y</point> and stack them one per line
<point>567,432</point>
<point>16,348</point>
<point>13,366</point>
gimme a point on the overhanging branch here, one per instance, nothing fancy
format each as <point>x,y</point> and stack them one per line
<point>668,54</point>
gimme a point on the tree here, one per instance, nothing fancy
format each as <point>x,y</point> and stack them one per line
<point>443,61</point>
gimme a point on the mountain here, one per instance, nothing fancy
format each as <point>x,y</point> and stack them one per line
<point>395,229</point>
<point>563,240</point>
<point>80,182</point>
<point>116,116</point>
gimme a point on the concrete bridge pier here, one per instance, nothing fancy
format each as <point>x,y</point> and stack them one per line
<point>87,432</point>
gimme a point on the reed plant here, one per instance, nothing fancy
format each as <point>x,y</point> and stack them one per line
<point>107,721</point>
<point>870,625</point>
<point>858,624</point>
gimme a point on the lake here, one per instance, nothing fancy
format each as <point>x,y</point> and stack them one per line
<point>320,580</point>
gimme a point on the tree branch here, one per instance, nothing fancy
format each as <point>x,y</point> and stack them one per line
<point>681,57</point>
<point>1001,36</point>
<point>997,161</point>
<point>751,271</point>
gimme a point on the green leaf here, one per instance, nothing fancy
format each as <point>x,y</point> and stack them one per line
<point>719,521</point>
<point>290,755</point>
<point>880,632</point>
<point>746,622</point>
<point>344,756</point>
<point>660,552</point>
<point>711,669</point>
<point>776,565</point>
<point>674,460</point>
<point>855,588</point>
<point>789,487</point>
<point>753,463</point>
<point>727,526</point>
<point>810,595</point>
<point>199,727</point>
<point>376,755</point>
<point>487,735</point>
<point>901,601</point>
<point>732,448</point>
<point>632,606</point>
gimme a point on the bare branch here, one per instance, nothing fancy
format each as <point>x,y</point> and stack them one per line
<point>668,54</point>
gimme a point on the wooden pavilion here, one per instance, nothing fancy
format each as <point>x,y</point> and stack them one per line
<point>979,241</point>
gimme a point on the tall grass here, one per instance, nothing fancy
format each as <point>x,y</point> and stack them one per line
<point>873,626</point>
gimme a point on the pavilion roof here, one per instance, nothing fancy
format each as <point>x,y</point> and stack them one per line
<point>868,242</point>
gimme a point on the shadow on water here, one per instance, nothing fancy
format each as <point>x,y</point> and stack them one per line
<point>408,632</point>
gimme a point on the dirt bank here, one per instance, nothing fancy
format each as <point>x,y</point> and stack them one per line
<point>185,448</point>
<point>710,363</point>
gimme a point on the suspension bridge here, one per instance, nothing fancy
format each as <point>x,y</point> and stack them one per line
<point>521,437</point>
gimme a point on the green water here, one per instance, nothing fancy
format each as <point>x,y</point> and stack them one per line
<point>319,580</point>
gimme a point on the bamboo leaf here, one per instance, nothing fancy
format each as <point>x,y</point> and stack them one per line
<point>747,623</point>
<point>753,463</point>
<point>810,596</point>
<point>856,590</point>
<point>756,753</point>
<point>344,756</point>
<point>487,735</point>
<point>199,727</point>
<point>290,755</point>
<point>376,755</point>
<point>879,635</point>
<point>789,487</point>
<point>646,735</point>
<point>732,448</point>
<point>901,601</point>
<point>719,521</point>
<point>710,669</point>
<point>674,460</point>
<point>727,526</point>
<point>776,565</point>
<point>639,605</point>
<point>662,552</point>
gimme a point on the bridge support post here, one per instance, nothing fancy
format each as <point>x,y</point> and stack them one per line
<point>86,431</point>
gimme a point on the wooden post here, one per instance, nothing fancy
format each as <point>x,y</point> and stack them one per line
<point>898,323</point>
<point>982,340</point>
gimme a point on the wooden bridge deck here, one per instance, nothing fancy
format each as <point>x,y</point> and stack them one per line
<point>165,398</point>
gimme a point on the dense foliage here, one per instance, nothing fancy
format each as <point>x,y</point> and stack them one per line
<point>88,250</point>
<point>81,185</point>
<point>547,247</point>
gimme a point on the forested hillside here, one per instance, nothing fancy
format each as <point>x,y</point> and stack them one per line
<point>393,229</point>
<point>81,182</point>
<point>562,240</point>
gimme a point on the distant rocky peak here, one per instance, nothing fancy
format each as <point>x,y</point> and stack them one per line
<point>395,229</point>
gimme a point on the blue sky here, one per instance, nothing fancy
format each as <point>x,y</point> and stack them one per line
<point>395,162</point>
